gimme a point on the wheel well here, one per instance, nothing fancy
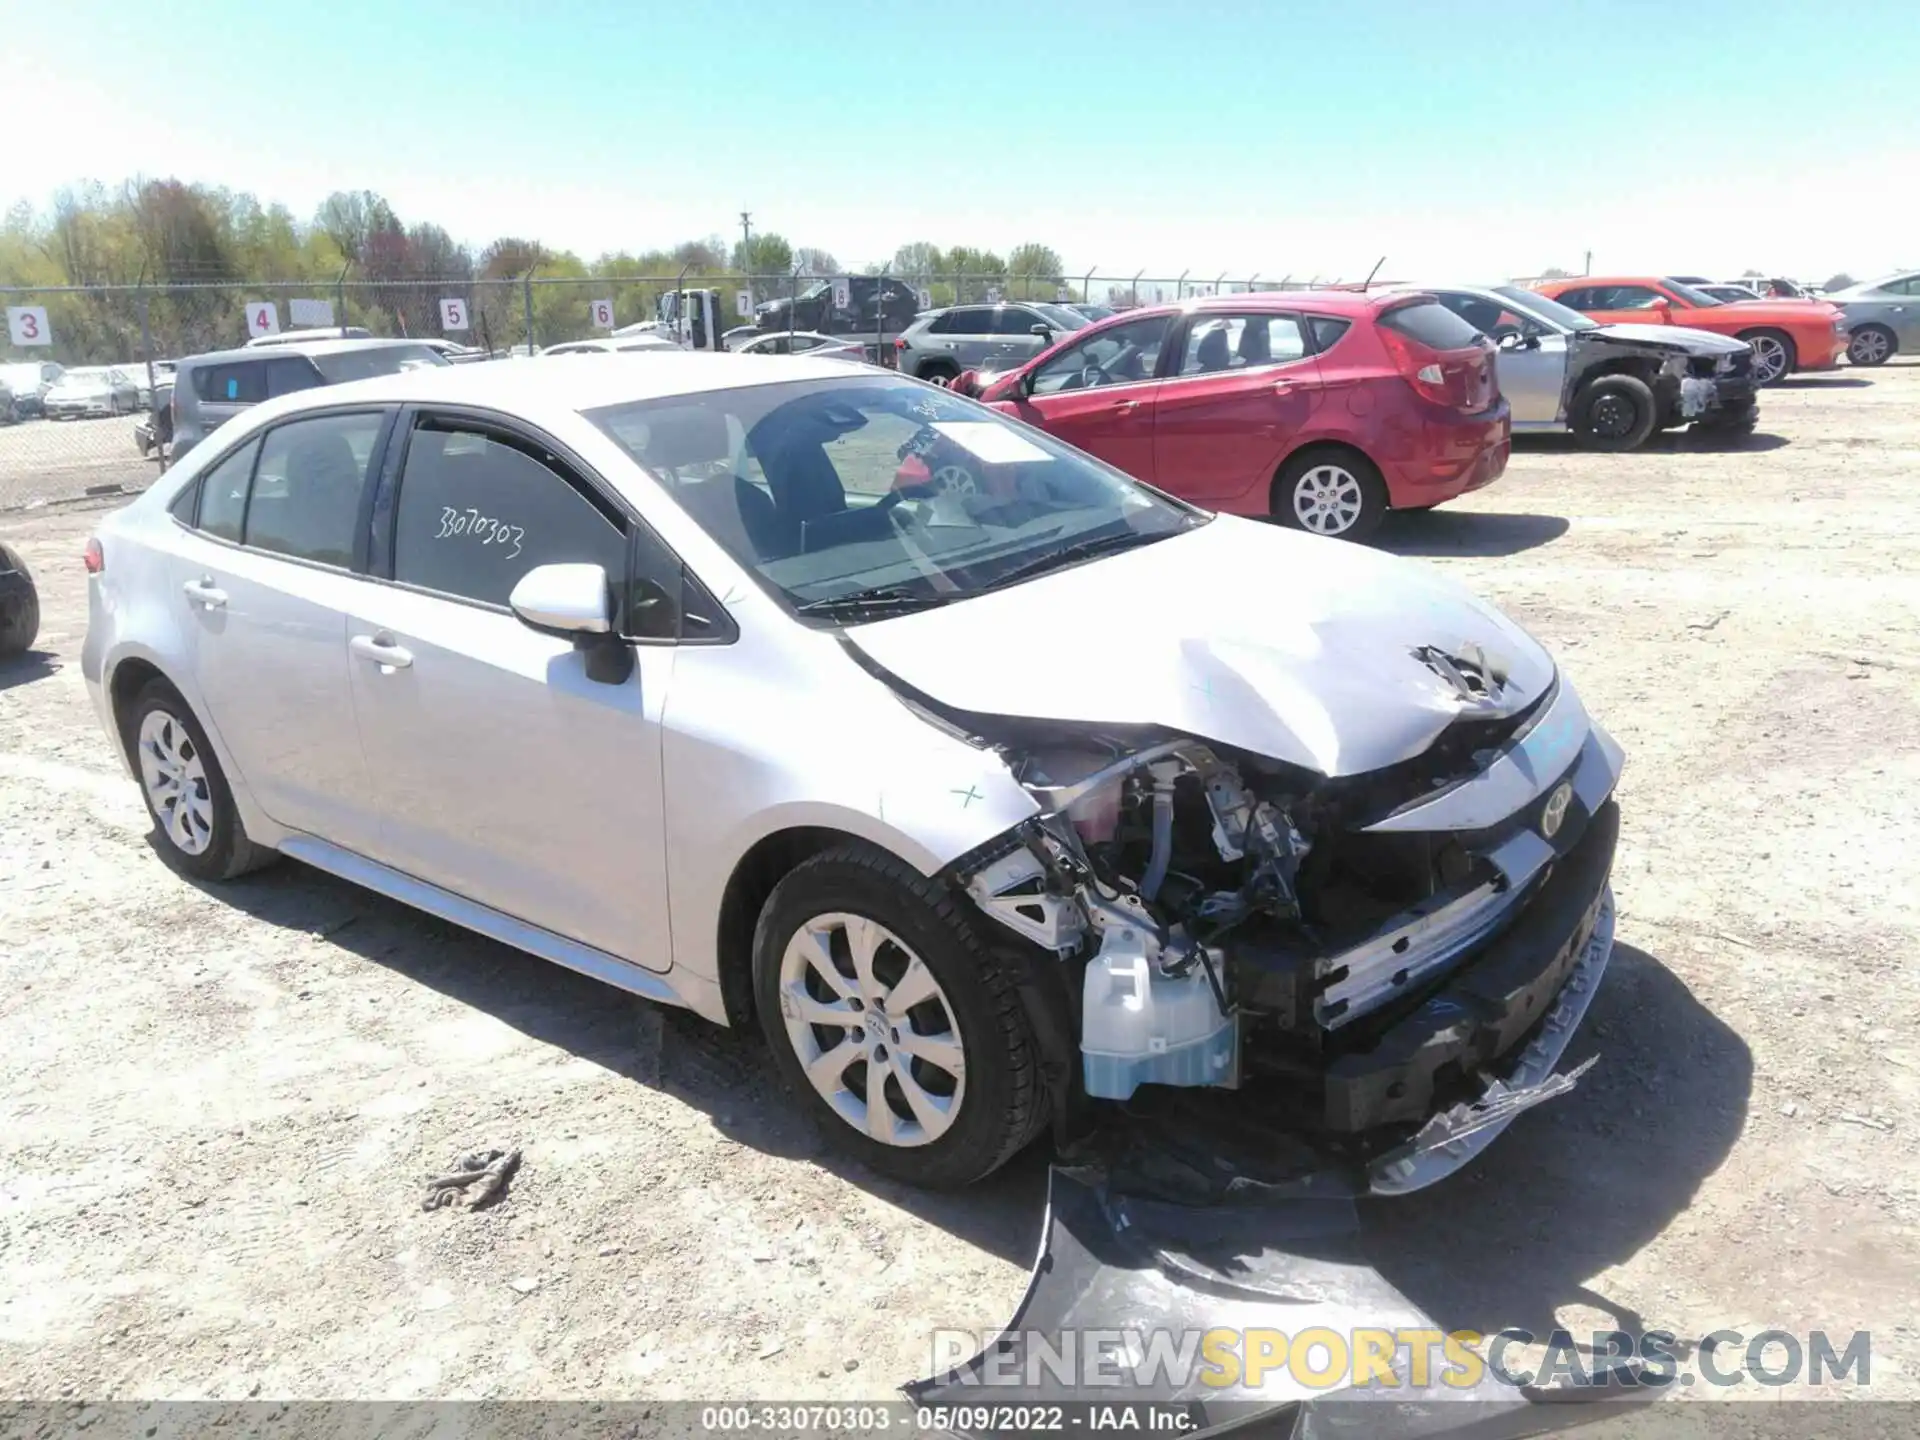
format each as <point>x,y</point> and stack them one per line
<point>1880,325</point>
<point>130,677</point>
<point>1638,367</point>
<point>764,866</point>
<point>1782,336</point>
<point>1329,448</point>
<point>940,366</point>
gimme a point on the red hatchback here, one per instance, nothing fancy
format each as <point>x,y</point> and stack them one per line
<point>1323,409</point>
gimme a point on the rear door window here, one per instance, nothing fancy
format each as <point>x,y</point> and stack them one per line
<point>236,382</point>
<point>305,500</point>
<point>975,320</point>
<point>478,508</point>
<point>1433,325</point>
<point>1015,321</point>
<point>223,493</point>
<point>1221,343</point>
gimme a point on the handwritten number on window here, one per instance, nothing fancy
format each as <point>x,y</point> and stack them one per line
<point>481,529</point>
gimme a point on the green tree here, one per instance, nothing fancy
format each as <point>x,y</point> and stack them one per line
<point>1839,282</point>
<point>1034,268</point>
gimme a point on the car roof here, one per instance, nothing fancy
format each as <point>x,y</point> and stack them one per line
<point>297,347</point>
<point>589,383</point>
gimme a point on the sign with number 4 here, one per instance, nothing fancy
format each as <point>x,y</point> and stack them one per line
<point>602,311</point>
<point>263,318</point>
<point>453,314</point>
<point>27,325</point>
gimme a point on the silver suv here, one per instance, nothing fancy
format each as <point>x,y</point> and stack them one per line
<point>209,390</point>
<point>941,343</point>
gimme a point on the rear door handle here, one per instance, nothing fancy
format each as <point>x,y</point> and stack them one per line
<point>204,592</point>
<point>1126,407</point>
<point>382,650</point>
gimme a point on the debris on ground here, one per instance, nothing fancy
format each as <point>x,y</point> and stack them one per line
<point>490,1168</point>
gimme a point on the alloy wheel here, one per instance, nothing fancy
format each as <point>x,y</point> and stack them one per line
<point>872,1029</point>
<point>1769,359</point>
<point>1328,499</point>
<point>1868,347</point>
<point>176,782</point>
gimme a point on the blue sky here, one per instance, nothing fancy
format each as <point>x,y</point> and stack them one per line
<point>1460,137</point>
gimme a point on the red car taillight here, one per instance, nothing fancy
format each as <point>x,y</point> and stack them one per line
<point>1456,379</point>
<point>94,557</point>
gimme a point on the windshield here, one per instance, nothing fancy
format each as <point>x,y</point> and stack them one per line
<point>818,288</point>
<point>829,489</point>
<point>339,366</point>
<point>1691,295</point>
<point>1552,312</point>
<point>1061,318</point>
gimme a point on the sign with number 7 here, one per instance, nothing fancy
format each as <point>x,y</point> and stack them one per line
<point>27,325</point>
<point>263,318</point>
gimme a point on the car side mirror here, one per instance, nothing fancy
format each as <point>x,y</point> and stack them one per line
<point>575,602</point>
<point>1045,332</point>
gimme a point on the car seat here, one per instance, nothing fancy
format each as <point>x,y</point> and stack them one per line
<point>1212,353</point>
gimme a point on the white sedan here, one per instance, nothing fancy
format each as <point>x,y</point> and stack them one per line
<point>988,783</point>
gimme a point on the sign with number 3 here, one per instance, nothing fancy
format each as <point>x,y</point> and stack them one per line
<point>27,325</point>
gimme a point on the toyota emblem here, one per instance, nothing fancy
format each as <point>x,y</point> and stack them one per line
<point>1555,810</point>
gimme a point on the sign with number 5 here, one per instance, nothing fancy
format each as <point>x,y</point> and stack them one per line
<point>27,325</point>
<point>263,318</point>
<point>453,314</point>
<point>603,314</point>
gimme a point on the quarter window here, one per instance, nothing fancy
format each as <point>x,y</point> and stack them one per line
<point>223,493</point>
<point>241,382</point>
<point>306,489</point>
<point>1116,355</point>
<point>1326,330</point>
<point>284,376</point>
<point>479,508</point>
<point>1217,343</point>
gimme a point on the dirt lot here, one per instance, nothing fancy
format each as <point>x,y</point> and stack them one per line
<point>219,1106</point>
<point>46,460</point>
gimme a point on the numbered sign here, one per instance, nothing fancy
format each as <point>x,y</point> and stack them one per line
<point>263,318</point>
<point>602,312</point>
<point>843,294</point>
<point>1063,294</point>
<point>926,298</point>
<point>27,325</point>
<point>310,313</point>
<point>743,304</point>
<point>453,314</point>
<point>993,295</point>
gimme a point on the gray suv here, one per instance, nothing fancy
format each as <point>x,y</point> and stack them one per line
<point>209,390</point>
<point>941,343</point>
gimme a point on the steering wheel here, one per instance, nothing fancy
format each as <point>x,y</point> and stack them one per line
<point>1092,377</point>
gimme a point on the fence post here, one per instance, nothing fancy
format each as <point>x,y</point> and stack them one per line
<point>526,292</point>
<point>339,297</point>
<point>880,316</point>
<point>153,390</point>
<point>1086,287</point>
<point>793,303</point>
<point>1250,279</point>
<point>1180,286</point>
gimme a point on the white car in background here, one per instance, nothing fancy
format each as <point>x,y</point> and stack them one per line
<point>987,802</point>
<point>621,345</point>
<point>87,392</point>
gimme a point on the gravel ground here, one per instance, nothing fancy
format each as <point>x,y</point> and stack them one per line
<point>50,460</point>
<point>220,1105</point>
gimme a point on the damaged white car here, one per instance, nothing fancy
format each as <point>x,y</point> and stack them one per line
<point>999,789</point>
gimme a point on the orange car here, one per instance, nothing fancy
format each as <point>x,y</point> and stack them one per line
<point>1786,335</point>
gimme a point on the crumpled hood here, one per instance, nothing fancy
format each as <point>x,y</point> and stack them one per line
<point>1699,342</point>
<point>1280,643</point>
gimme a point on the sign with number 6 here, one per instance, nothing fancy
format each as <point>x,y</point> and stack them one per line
<point>453,314</point>
<point>27,325</point>
<point>263,318</point>
<point>603,314</point>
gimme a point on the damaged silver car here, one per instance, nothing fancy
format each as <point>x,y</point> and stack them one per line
<point>1612,386</point>
<point>1002,792</point>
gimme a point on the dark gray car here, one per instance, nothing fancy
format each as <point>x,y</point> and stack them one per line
<point>209,390</point>
<point>1883,317</point>
<point>939,344</point>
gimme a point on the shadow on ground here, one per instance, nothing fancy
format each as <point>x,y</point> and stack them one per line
<point>1585,1182</point>
<point>725,1074</point>
<point>1661,442</point>
<point>27,668</point>
<point>1465,532</point>
<point>1821,382</point>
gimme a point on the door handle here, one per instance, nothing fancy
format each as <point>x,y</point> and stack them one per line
<point>1126,407</point>
<point>382,650</point>
<point>1283,387</point>
<point>204,592</point>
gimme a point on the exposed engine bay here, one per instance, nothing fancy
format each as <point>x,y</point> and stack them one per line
<point>1240,922</point>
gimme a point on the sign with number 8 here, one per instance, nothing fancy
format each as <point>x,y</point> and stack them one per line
<point>27,325</point>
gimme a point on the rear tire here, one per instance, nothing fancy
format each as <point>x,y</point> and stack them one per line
<point>1774,356</point>
<point>977,1101</point>
<point>1871,345</point>
<point>1331,492</point>
<point>20,612</point>
<point>938,372</point>
<point>197,829</point>
<point>1615,413</point>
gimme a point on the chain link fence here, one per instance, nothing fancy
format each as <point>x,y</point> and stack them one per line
<point>86,370</point>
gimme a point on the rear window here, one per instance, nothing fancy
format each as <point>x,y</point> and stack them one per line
<point>978,321</point>
<point>1433,325</point>
<point>239,382</point>
<point>340,366</point>
<point>1326,330</point>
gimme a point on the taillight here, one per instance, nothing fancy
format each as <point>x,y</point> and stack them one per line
<point>95,557</point>
<point>900,342</point>
<point>1445,378</point>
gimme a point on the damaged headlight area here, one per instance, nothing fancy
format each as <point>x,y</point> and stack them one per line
<point>1372,960</point>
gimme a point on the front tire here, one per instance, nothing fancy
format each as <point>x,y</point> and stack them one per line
<point>1336,493</point>
<point>197,830</point>
<point>1616,413</point>
<point>900,1030</point>
<point>1871,345</point>
<point>1774,357</point>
